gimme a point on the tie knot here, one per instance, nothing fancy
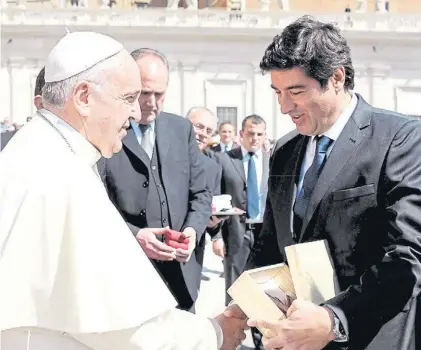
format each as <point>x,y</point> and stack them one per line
<point>322,144</point>
<point>251,154</point>
<point>144,128</point>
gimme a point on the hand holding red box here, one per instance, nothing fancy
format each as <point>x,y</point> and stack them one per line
<point>176,239</point>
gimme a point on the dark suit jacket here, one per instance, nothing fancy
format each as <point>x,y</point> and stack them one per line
<point>367,206</point>
<point>213,173</point>
<point>5,138</point>
<point>183,175</point>
<point>234,183</point>
<point>213,182</point>
<point>217,148</point>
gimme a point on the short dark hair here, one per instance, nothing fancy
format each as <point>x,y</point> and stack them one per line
<point>142,52</point>
<point>225,123</point>
<point>254,118</point>
<point>39,82</point>
<point>317,47</point>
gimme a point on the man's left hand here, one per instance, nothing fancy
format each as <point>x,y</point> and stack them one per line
<point>185,255</point>
<point>308,327</point>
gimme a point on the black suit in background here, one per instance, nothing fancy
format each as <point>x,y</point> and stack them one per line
<point>5,137</point>
<point>367,205</point>
<point>217,148</point>
<point>170,189</point>
<point>213,179</point>
<point>238,237</point>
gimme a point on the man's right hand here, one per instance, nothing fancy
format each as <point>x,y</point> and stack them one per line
<point>233,330</point>
<point>218,247</point>
<point>154,248</point>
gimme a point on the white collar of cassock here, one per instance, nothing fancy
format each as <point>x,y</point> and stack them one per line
<point>81,146</point>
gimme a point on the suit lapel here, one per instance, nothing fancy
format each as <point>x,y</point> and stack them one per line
<point>344,147</point>
<point>162,141</point>
<point>237,161</point>
<point>291,179</point>
<point>130,141</point>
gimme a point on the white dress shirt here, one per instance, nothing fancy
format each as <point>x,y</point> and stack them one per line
<point>333,133</point>
<point>138,132</point>
<point>258,161</point>
<point>226,148</point>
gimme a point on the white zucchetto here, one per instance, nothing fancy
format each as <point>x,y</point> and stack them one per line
<point>77,52</point>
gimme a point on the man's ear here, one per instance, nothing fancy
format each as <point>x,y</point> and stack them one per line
<point>82,98</point>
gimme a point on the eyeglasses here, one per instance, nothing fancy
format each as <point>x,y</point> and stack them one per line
<point>201,127</point>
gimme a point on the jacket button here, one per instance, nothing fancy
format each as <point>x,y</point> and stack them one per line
<point>146,184</point>
<point>158,185</point>
<point>153,167</point>
<point>163,203</point>
<point>164,221</point>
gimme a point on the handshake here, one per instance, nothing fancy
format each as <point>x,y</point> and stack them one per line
<point>308,326</point>
<point>233,323</point>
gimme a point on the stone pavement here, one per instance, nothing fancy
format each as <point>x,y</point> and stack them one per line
<point>212,292</point>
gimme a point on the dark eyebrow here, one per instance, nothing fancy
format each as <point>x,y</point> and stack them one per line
<point>298,86</point>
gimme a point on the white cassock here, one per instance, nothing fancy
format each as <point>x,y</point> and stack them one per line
<point>72,275</point>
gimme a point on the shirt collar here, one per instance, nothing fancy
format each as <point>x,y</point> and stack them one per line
<point>82,147</point>
<point>245,153</point>
<point>336,129</point>
<point>136,125</point>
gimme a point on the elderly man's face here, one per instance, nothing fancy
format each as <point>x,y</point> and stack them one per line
<point>115,102</point>
<point>204,124</point>
<point>154,75</point>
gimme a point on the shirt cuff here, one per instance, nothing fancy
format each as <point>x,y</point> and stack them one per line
<point>337,312</point>
<point>219,333</point>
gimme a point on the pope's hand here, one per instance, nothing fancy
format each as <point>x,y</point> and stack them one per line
<point>154,248</point>
<point>233,326</point>
<point>218,247</point>
<point>183,255</point>
<point>308,327</point>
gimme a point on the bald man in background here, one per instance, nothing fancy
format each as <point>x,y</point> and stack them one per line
<point>159,180</point>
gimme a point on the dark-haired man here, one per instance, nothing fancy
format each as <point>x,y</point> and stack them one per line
<point>349,174</point>
<point>226,133</point>
<point>244,177</point>
<point>159,180</point>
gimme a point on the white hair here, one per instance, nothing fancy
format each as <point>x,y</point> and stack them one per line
<point>194,110</point>
<point>57,93</point>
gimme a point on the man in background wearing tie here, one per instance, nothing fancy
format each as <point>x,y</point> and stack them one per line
<point>159,180</point>
<point>226,134</point>
<point>244,177</point>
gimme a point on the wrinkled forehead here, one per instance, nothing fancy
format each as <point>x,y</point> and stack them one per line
<point>154,74</point>
<point>206,119</point>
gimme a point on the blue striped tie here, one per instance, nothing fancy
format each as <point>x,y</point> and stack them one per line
<point>252,189</point>
<point>310,180</point>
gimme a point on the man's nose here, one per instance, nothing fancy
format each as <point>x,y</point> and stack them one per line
<point>136,112</point>
<point>286,105</point>
<point>151,101</point>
